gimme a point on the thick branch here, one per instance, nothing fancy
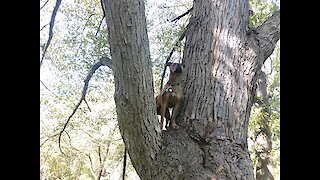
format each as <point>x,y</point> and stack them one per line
<point>268,34</point>
<point>104,61</point>
<point>53,16</point>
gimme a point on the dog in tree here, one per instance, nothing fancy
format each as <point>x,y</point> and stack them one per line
<point>170,96</point>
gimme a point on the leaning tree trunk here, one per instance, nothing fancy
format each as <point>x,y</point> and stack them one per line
<point>222,58</point>
<point>134,95</point>
<point>262,135</point>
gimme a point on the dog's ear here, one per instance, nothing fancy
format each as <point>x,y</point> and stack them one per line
<point>168,63</point>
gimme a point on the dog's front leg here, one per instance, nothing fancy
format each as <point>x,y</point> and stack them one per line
<point>164,105</point>
<point>173,124</point>
<point>168,119</point>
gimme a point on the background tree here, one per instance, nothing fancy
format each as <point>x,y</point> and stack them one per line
<point>264,138</point>
<point>264,130</point>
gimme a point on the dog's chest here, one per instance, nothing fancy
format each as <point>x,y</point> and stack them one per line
<point>171,101</point>
<point>173,96</point>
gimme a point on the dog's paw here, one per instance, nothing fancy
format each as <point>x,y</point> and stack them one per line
<point>174,126</point>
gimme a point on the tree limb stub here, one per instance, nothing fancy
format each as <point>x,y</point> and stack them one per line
<point>268,34</point>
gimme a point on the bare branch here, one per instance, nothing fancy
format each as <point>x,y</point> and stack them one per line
<point>103,61</point>
<point>48,139</point>
<point>87,105</point>
<point>44,4</point>
<point>84,27</point>
<point>47,88</point>
<point>99,26</point>
<point>124,164</point>
<point>179,17</point>
<point>99,153</point>
<point>44,27</point>
<point>53,16</point>
<point>103,8</point>
<point>91,167</point>
<point>104,15</point>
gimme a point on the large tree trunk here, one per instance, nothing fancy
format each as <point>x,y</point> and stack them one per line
<point>222,59</point>
<point>134,95</point>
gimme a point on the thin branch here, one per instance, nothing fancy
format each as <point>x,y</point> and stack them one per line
<point>124,164</point>
<point>44,4</point>
<point>84,27</point>
<point>103,61</point>
<point>48,139</point>
<point>99,153</point>
<point>103,8</point>
<point>87,105</point>
<point>168,58</point>
<point>99,26</point>
<point>91,167</point>
<point>53,16</point>
<point>47,88</point>
<point>44,27</point>
<point>179,17</point>
<point>104,15</point>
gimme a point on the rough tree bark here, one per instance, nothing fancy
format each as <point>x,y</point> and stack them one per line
<point>222,59</point>
<point>134,95</point>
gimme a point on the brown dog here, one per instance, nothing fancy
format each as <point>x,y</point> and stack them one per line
<point>170,96</point>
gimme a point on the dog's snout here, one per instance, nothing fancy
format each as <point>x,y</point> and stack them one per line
<point>178,68</point>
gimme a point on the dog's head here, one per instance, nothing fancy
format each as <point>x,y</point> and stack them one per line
<point>175,67</point>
